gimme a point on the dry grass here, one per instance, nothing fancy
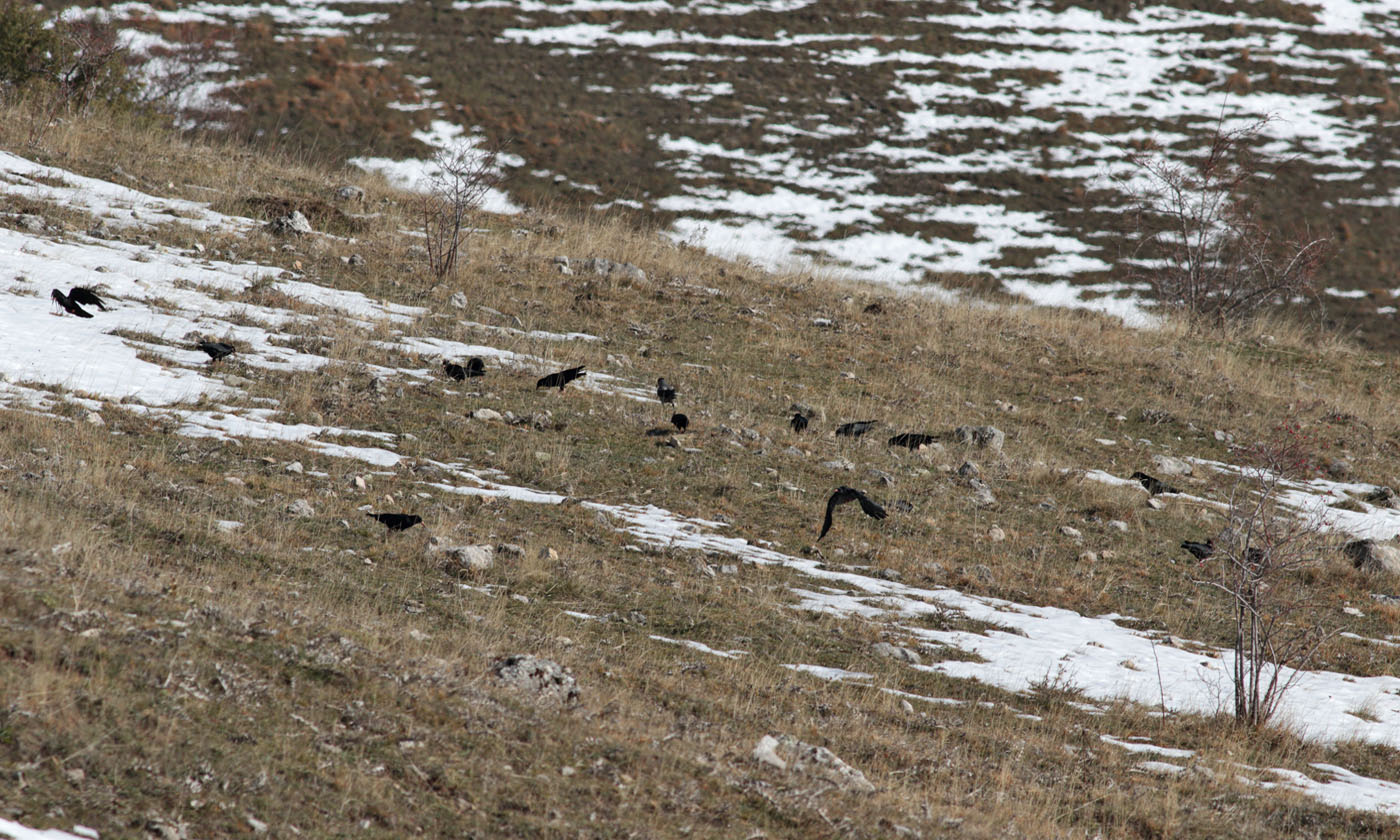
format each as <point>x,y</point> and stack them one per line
<point>316,676</point>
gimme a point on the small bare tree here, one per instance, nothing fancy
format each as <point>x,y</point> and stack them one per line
<point>464,175</point>
<point>1257,560</point>
<point>1199,241</point>
<point>86,64</point>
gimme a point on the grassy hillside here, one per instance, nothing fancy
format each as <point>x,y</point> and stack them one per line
<point>164,675</point>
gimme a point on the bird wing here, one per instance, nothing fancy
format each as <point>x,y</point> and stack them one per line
<point>78,294</point>
<point>868,505</point>
<point>831,504</point>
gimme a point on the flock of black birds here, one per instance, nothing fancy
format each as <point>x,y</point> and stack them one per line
<point>80,296</point>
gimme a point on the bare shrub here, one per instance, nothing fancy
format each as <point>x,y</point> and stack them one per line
<point>85,62</point>
<point>1199,241</point>
<point>464,175</point>
<point>1257,563</point>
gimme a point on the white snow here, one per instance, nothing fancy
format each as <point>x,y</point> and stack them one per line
<point>16,831</point>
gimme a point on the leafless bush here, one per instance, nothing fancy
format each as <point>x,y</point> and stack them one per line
<point>172,72</point>
<point>1198,235</point>
<point>87,63</point>
<point>1257,563</point>
<point>464,175</point>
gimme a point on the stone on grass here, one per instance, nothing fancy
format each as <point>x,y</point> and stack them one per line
<point>1167,465</point>
<point>1339,469</point>
<point>95,419</point>
<point>463,560</point>
<point>458,300</point>
<point>546,681</point>
<point>969,470</point>
<point>1071,532</point>
<point>292,224</point>
<point>1383,496</point>
<point>896,652</point>
<point>983,437</point>
<point>784,752</point>
<point>1371,556</point>
<point>302,508</point>
<point>1118,525</point>
<point>996,534</point>
<point>981,493</point>
<point>486,414</point>
<point>350,192</point>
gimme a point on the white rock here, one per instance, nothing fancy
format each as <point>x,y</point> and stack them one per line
<point>1118,525</point>
<point>996,534</point>
<point>95,419</point>
<point>1071,532</point>
<point>302,508</point>
<point>787,753</point>
<point>1167,465</point>
<point>486,414</point>
<point>294,467</point>
<point>896,652</point>
<point>546,681</point>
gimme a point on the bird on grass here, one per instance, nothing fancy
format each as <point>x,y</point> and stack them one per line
<point>913,440</point>
<point>855,429</point>
<point>69,305</point>
<point>680,421</point>
<point>1153,486</point>
<point>216,349</point>
<point>474,367</point>
<point>397,521</point>
<point>843,495</point>
<point>1199,550</point>
<point>798,421</point>
<point>665,391</point>
<point>561,378</point>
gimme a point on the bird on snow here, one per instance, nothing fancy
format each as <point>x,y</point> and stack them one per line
<point>843,495</point>
<point>680,421</point>
<point>1153,486</point>
<point>216,349</point>
<point>855,429</point>
<point>86,297</point>
<point>913,440</point>
<point>69,305</point>
<point>798,421</point>
<point>561,378</point>
<point>474,367</point>
<point>1199,550</point>
<point>397,521</point>
<point>665,391</point>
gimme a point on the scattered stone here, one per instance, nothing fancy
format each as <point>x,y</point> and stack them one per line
<point>883,477</point>
<point>1339,469</point>
<point>487,415</point>
<point>292,224</point>
<point>295,467</point>
<point>1167,465</point>
<point>355,260</point>
<point>463,560</point>
<point>1118,525</point>
<point>1155,504</point>
<point>549,555</point>
<point>302,508</point>
<point>981,493</point>
<point>786,753</point>
<point>1002,405</point>
<point>983,573</point>
<point>839,464</point>
<point>547,681</point>
<point>811,412</point>
<point>1371,556</point>
<point>1224,437</point>
<point>1382,496</point>
<point>729,568</point>
<point>890,574</point>
<point>996,534</point>
<point>1047,504</point>
<point>983,437</point>
<point>95,419</point>
<point>969,470</point>
<point>510,550</point>
<point>1108,554</point>
<point>1156,416</point>
<point>895,652</point>
<point>228,526</point>
<point>349,192</point>
<point>458,300</point>
<point>359,483</point>
<point>1088,557</point>
<point>1071,532</point>
<point>31,222</point>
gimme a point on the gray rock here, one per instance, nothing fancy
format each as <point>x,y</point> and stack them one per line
<point>630,272</point>
<point>561,261</point>
<point>983,573</point>
<point>839,464</point>
<point>1224,436</point>
<point>811,412</point>
<point>546,681</point>
<point>31,222</point>
<point>295,467</point>
<point>487,414</point>
<point>1382,496</point>
<point>981,493</point>
<point>1156,504</point>
<point>969,470</point>
<point>349,192</point>
<point>302,508</point>
<point>1371,556</point>
<point>1118,525</point>
<point>355,260</point>
<point>465,560</point>
<point>1088,557</point>
<point>881,476</point>
<point>95,419</point>
<point>896,652</point>
<point>458,300</point>
<point>786,753</point>
<point>1339,469</point>
<point>996,534</point>
<point>510,550</point>
<point>983,437</point>
<point>1156,416</point>
<point>292,224</point>
<point>1071,532</point>
<point>1167,465</point>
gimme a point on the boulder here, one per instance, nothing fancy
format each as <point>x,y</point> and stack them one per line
<point>292,224</point>
<point>1372,556</point>
<point>544,680</point>
<point>983,437</point>
<point>349,192</point>
<point>784,752</point>
<point>895,652</point>
<point>1167,465</point>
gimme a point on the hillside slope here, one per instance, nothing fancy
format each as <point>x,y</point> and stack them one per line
<point>202,633</point>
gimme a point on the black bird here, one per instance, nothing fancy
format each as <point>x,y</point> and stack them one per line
<point>561,378</point>
<point>1153,486</point>
<point>798,422</point>
<point>475,367</point>
<point>1199,550</point>
<point>397,521</point>
<point>454,371</point>
<point>665,392</point>
<point>913,440</point>
<point>86,296</point>
<point>680,421</point>
<point>855,429</point>
<point>843,495</point>
<point>69,305</point>
<point>216,349</point>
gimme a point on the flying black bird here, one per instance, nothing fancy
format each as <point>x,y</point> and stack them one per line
<point>855,429</point>
<point>69,305</point>
<point>1153,486</point>
<point>86,296</point>
<point>665,392</point>
<point>913,440</point>
<point>680,421</point>
<point>397,521</point>
<point>798,422</point>
<point>216,349</point>
<point>843,495</point>
<point>1199,550</point>
<point>561,378</point>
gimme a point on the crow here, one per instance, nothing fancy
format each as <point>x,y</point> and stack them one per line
<point>1153,486</point>
<point>913,440</point>
<point>454,371</point>
<point>86,296</point>
<point>1199,550</point>
<point>855,429</point>
<point>798,422</point>
<point>680,421</point>
<point>397,521</point>
<point>216,349</point>
<point>68,305</point>
<point>665,392</point>
<point>475,367</point>
<point>561,378</point>
<point>843,495</point>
